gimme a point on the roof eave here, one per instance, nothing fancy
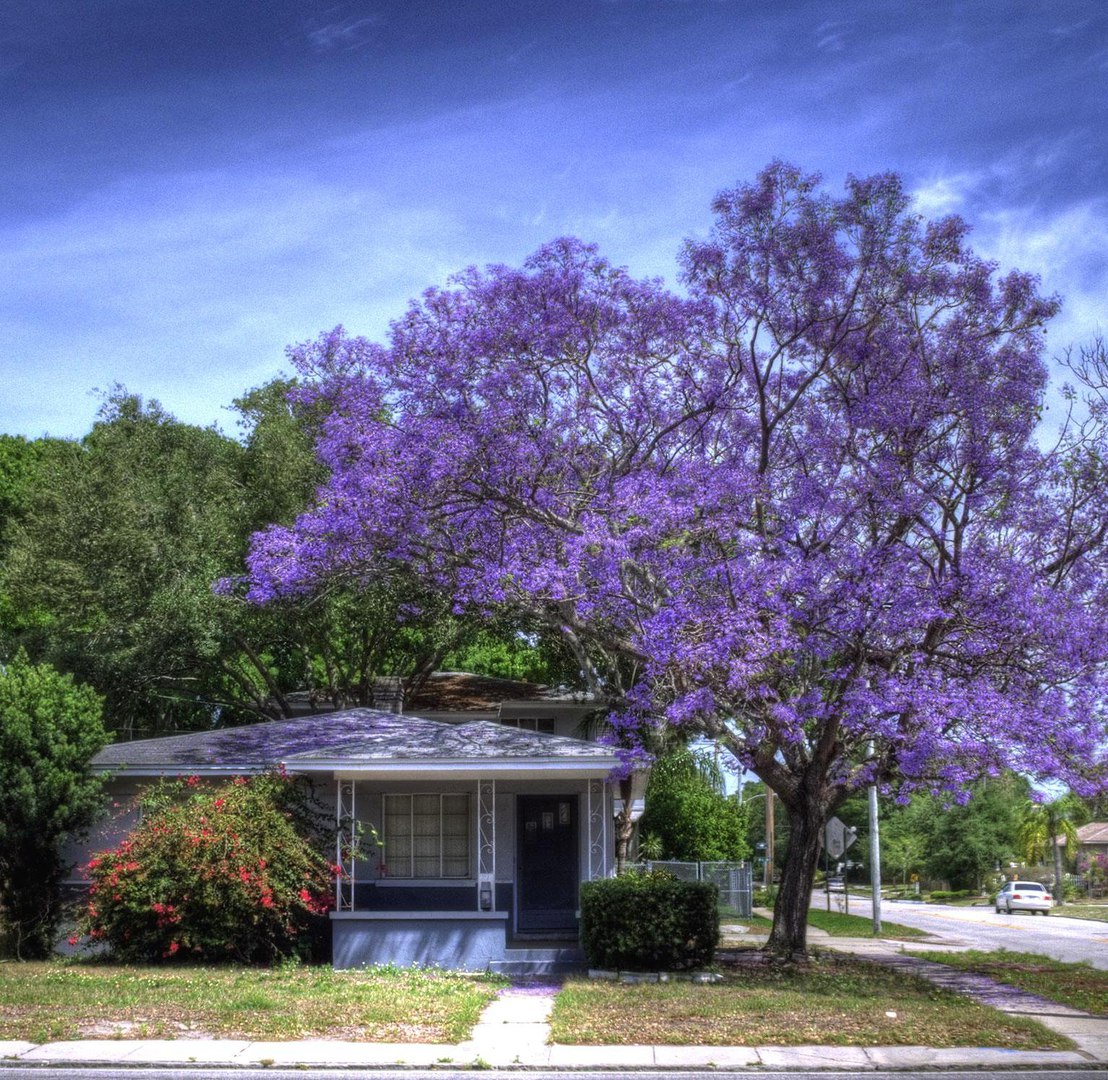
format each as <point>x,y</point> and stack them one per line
<point>584,769</point>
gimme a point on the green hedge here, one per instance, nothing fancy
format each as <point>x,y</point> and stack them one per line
<point>952,894</point>
<point>649,922</point>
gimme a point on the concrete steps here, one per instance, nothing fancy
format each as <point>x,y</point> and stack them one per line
<point>540,960</point>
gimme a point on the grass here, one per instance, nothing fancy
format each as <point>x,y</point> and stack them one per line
<point>837,1001</point>
<point>48,1001</point>
<point>835,924</point>
<point>1098,912</point>
<point>1077,985</point>
<point>838,924</point>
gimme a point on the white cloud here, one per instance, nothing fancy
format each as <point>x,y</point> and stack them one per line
<point>352,33</point>
<point>1069,252</point>
<point>943,194</point>
<point>192,298</point>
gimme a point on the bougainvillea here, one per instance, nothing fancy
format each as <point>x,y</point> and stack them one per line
<point>1094,870</point>
<point>227,872</point>
<point>801,508</point>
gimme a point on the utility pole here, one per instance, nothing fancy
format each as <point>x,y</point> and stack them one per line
<point>769,838</point>
<point>875,858</point>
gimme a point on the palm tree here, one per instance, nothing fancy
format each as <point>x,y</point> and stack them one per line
<point>1049,827</point>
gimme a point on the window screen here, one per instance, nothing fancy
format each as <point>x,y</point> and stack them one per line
<point>426,835</point>
<point>542,724</point>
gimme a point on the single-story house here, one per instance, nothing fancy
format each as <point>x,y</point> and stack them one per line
<point>1092,839</point>
<point>488,827</point>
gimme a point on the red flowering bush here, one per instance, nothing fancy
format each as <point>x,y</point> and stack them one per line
<point>227,872</point>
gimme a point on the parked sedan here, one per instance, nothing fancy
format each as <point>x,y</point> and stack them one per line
<point>1024,896</point>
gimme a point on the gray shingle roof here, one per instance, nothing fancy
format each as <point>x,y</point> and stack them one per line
<point>354,737</point>
<point>1096,832</point>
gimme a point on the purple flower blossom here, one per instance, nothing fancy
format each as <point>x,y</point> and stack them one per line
<point>800,508</point>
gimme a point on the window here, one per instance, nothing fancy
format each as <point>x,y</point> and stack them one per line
<point>542,724</point>
<point>426,836</point>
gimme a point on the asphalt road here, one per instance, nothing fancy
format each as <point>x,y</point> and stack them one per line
<point>192,1073</point>
<point>1053,935</point>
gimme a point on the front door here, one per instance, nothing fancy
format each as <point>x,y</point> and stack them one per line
<point>546,866</point>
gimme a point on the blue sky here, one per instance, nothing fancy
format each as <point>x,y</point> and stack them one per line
<point>188,186</point>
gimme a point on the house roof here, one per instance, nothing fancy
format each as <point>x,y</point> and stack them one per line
<point>457,696</point>
<point>461,691</point>
<point>1096,832</point>
<point>357,740</point>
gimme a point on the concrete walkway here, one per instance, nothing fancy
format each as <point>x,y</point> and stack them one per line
<point>514,1030</point>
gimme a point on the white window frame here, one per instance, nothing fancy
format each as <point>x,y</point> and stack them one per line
<point>392,871</point>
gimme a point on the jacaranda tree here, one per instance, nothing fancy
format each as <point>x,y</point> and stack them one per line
<point>801,508</point>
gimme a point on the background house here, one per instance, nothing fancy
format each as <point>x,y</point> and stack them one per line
<point>1092,839</point>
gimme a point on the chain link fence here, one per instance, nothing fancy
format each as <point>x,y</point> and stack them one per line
<point>735,881</point>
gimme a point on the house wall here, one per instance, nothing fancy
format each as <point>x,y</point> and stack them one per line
<point>120,815</point>
<point>459,941</point>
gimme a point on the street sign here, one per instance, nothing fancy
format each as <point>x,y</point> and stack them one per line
<point>837,837</point>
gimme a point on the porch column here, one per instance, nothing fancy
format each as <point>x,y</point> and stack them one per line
<point>345,846</point>
<point>598,830</point>
<point>486,845</point>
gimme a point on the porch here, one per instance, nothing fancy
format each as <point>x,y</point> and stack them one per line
<point>471,874</point>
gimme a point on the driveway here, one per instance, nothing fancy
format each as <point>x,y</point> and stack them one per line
<point>1055,936</point>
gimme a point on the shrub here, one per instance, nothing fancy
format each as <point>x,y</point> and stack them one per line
<point>50,728</point>
<point>1094,869</point>
<point>765,897</point>
<point>228,872</point>
<point>649,922</point>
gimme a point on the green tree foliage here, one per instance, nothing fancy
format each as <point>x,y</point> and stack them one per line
<point>688,814</point>
<point>504,651</point>
<point>905,840</point>
<point>230,872</point>
<point>1047,830</point>
<point>966,843</point>
<point>20,461</point>
<point>50,727</point>
<point>117,547</point>
<point>119,538</point>
<point>280,470</point>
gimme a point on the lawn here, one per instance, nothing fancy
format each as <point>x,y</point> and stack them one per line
<point>836,1001</point>
<point>47,1001</point>
<point>1077,985</point>
<point>1099,912</point>
<point>838,924</point>
<point>835,923</point>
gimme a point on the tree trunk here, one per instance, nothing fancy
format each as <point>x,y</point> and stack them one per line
<point>1059,872</point>
<point>789,937</point>
<point>625,826</point>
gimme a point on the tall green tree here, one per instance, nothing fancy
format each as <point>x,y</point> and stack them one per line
<point>120,537</point>
<point>50,727</point>
<point>905,839</point>
<point>1047,830</point>
<point>967,842</point>
<point>688,813</point>
<point>115,553</point>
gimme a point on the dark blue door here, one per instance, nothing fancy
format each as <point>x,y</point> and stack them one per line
<point>546,863</point>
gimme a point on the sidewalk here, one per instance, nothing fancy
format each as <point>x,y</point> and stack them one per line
<point>513,1033</point>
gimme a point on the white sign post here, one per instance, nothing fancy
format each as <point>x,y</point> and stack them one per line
<point>837,837</point>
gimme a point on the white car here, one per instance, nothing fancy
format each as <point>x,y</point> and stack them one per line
<point>1024,896</point>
